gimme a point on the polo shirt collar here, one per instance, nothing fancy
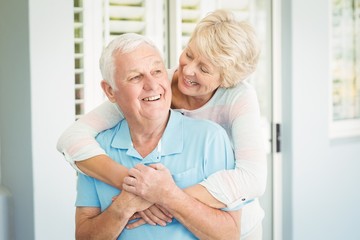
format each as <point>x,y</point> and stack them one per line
<point>171,141</point>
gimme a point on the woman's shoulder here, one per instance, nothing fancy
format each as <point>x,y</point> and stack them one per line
<point>197,124</point>
<point>243,86</point>
<point>241,90</point>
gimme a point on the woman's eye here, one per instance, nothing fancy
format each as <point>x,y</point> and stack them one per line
<point>188,55</point>
<point>204,70</point>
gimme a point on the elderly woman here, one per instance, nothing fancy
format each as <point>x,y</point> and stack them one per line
<point>209,83</point>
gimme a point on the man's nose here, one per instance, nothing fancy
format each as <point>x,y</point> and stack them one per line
<point>150,82</point>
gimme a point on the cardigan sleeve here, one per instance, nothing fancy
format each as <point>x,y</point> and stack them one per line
<point>78,142</point>
<point>248,180</point>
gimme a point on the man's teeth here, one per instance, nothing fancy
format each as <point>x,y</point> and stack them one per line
<point>153,98</point>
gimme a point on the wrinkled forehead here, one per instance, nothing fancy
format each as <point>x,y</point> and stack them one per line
<point>143,56</point>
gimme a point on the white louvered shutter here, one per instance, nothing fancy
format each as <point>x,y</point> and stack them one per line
<point>190,15</point>
<point>79,57</point>
<point>145,17</point>
<point>124,16</point>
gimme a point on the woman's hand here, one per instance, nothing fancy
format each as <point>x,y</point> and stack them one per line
<point>154,215</point>
<point>153,182</point>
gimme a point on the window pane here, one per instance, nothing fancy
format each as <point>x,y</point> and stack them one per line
<point>346,59</point>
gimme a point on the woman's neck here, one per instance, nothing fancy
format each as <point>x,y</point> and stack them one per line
<point>182,101</point>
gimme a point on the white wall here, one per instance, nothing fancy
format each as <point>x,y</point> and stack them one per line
<point>36,105</point>
<point>15,125</point>
<point>322,180</point>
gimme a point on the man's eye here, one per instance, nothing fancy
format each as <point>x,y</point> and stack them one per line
<point>135,78</point>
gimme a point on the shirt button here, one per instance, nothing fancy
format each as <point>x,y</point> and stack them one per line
<point>243,199</point>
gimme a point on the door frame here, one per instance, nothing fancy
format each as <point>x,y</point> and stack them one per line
<point>277,166</point>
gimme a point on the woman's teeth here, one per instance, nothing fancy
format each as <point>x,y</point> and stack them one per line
<point>190,82</point>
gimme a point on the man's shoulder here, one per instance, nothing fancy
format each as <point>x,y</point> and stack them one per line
<point>108,134</point>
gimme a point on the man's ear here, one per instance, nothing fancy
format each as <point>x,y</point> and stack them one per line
<point>108,90</point>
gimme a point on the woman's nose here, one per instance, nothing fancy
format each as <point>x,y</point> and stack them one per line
<point>189,69</point>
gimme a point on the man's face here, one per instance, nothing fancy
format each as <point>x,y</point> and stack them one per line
<point>143,89</point>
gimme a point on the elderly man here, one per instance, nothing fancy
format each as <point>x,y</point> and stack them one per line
<point>153,141</point>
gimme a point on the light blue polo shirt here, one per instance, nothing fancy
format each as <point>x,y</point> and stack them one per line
<point>191,149</point>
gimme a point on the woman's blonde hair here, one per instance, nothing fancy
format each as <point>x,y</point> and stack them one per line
<point>229,44</point>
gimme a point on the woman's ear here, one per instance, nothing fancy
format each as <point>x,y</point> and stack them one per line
<point>108,90</point>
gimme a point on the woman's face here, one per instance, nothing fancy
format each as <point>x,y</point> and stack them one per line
<point>198,77</point>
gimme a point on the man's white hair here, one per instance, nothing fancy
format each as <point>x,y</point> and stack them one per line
<point>125,43</point>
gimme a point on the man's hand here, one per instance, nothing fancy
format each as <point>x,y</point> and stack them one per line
<point>152,182</point>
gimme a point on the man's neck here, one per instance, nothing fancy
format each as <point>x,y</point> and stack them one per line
<point>146,138</point>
